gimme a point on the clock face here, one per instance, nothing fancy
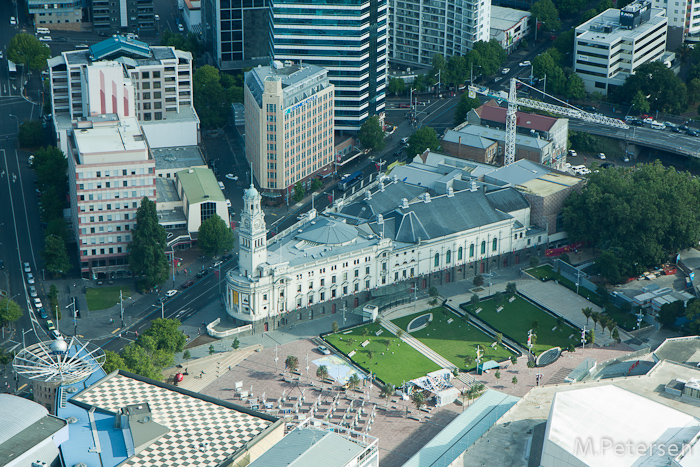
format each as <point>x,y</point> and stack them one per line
<point>246,224</point>
<point>257,224</point>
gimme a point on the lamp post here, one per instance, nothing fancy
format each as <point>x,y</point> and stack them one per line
<point>16,118</point>
<point>172,248</point>
<point>23,334</point>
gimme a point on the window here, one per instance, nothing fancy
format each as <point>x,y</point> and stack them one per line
<point>208,209</point>
<point>471,250</point>
<point>367,270</point>
<point>459,254</point>
<point>494,244</point>
<point>448,257</point>
<point>357,273</point>
<point>437,259</point>
<point>483,247</point>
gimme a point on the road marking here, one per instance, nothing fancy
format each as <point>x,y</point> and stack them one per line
<point>116,330</point>
<point>21,387</point>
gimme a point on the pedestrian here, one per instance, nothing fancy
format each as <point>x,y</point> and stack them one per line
<point>199,330</point>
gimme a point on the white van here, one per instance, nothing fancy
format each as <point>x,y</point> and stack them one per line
<point>221,185</point>
<point>43,31</point>
<point>657,126</point>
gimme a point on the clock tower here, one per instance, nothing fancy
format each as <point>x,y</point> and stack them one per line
<point>252,234</point>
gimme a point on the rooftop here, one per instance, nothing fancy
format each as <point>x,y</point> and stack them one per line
<point>199,185</point>
<point>299,82</point>
<point>494,113</point>
<point>166,190</point>
<point>521,141</point>
<point>474,141</point>
<point>126,136</point>
<point>119,45</point>
<point>506,18</point>
<point>593,29</point>
<point>178,157</point>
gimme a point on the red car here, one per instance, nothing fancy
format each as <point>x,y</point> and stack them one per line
<point>404,106</point>
<point>187,284</point>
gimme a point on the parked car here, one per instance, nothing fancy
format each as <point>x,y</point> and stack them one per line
<point>202,273</point>
<point>56,335</point>
<point>221,185</point>
<point>601,156</point>
<point>170,293</point>
<point>228,203</point>
<point>404,106</point>
<point>606,165</point>
<point>232,177</point>
<point>49,325</point>
<point>188,284</point>
<point>217,264</point>
<point>45,38</point>
<point>625,159</point>
<point>404,140</point>
<point>37,303</point>
<point>43,313</point>
<point>180,27</point>
<point>505,71</point>
<point>13,20</point>
<point>226,257</point>
<point>693,133</point>
<point>324,350</point>
<point>525,63</point>
<point>30,278</point>
<point>675,129</point>
<point>572,153</point>
<point>32,291</point>
<point>26,267</point>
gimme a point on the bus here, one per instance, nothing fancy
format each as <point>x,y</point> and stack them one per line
<point>12,69</point>
<point>347,181</point>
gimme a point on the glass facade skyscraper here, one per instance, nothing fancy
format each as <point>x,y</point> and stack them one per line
<point>349,39</point>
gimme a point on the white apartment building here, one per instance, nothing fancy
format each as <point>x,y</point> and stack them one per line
<point>289,123</point>
<point>130,78</point>
<point>420,28</point>
<point>612,45</point>
<point>110,171</point>
<point>682,14</point>
<point>509,26</point>
<point>390,234</point>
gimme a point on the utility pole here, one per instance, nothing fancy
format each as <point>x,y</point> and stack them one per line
<point>162,310</point>
<point>121,307</point>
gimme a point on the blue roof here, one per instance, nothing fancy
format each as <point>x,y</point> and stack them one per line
<point>119,45</point>
<point>464,430</point>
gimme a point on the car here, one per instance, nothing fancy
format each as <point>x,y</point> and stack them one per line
<point>202,273</point>
<point>404,140</point>
<point>232,177</point>
<point>32,291</point>
<point>156,17</point>
<point>636,122</point>
<point>323,349</point>
<point>572,153</point>
<point>30,278</point>
<point>497,79</point>
<point>170,293</point>
<point>404,106</point>
<point>226,257</point>
<point>625,159</point>
<point>221,185</point>
<point>49,325</point>
<point>56,335</point>
<point>675,129</point>
<point>26,267</point>
<point>606,165</point>
<point>13,20</point>
<point>180,27</point>
<point>525,63</point>
<point>43,313</point>
<point>601,156</point>
<point>228,203</point>
<point>187,284</point>
<point>692,133</point>
<point>45,38</point>
<point>217,264</point>
<point>505,71</point>
<point>37,303</point>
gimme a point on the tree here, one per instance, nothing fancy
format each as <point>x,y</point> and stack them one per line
<point>211,101</point>
<point>10,311</point>
<point>595,317</point>
<point>499,338</point>
<point>51,166</point>
<point>113,362</point>
<point>387,391</point>
<point>570,7</point>
<point>322,374</point>
<point>640,102</point>
<point>55,255</point>
<point>57,228</point>
<point>534,261</point>
<point>587,312</point>
<point>608,265</point>
<point>694,90</point>
<point>291,363</point>
<point>397,86</point>
<point>514,359</point>
<point>666,92</point>
<point>235,344</point>
<point>564,42</point>
<point>497,375</point>
<point>166,335</point>
<point>603,320</point>
<point>215,236</point>
<point>511,288</point>
<point>468,361</point>
<point>575,88</point>
<point>399,333</point>
<point>298,192</point>
<point>188,43</point>
<point>371,134</point>
<point>478,281</point>
<point>670,312</point>
<point>588,15</point>
<point>334,327</point>
<point>604,5</point>
<point>590,338</point>
<point>474,300</point>
<point>353,381</point>
<point>457,70</point>
<point>418,399</point>
<point>544,64</point>
<point>556,83</point>
<point>616,335</point>
<point>514,380</point>
<point>316,184</point>
<point>147,248</point>
<point>211,349</point>
<point>531,364</point>
<point>370,354</point>
<point>146,362</point>
<point>560,322</point>
<point>610,324</point>
<point>29,51</point>
<point>53,299</point>
<point>488,56</point>
<point>603,293</point>
<point>186,355</point>
<point>546,14</point>
<point>535,326</point>
<point>365,332</point>
<point>464,105</point>
<point>424,138</point>
<point>498,298</point>
<point>433,292</point>
<point>31,134</point>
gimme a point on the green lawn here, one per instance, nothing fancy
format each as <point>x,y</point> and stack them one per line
<point>517,318</point>
<point>398,364</point>
<point>454,341</point>
<point>105,297</point>
<point>626,321</point>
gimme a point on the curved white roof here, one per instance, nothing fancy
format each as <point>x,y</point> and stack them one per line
<point>18,413</point>
<point>329,232</point>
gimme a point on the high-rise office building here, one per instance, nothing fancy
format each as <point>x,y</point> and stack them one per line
<point>420,29</point>
<point>346,37</point>
<point>132,16</point>
<point>236,32</point>
<point>289,123</point>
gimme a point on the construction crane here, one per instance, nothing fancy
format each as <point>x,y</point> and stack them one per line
<point>565,110</point>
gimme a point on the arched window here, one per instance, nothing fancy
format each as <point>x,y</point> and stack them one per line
<point>483,247</point>
<point>495,244</point>
<point>459,254</point>
<point>437,259</point>
<point>471,250</point>
<point>448,257</point>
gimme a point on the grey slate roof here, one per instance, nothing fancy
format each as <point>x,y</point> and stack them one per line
<point>474,141</point>
<point>309,447</point>
<point>507,200</point>
<point>328,232</point>
<point>383,201</point>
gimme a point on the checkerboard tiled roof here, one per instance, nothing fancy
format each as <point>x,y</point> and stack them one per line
<point>192,420</point>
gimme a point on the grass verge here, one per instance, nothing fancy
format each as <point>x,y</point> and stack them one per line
<point>105,297</point>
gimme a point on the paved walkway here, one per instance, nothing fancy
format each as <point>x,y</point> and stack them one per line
<point>418,345</point>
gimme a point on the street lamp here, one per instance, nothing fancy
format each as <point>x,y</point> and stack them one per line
<point>23,334</point>
<point>16,118</point>
<point>172,248</point>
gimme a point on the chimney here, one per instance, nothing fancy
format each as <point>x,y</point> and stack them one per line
<point>381,186</point>
<point>404,203</point>
<point>380,219</point>
<point>473,186</point>
<point>450,192</point>
<point>396,178</point>
<point>426,197</point>
<point>368,195</point>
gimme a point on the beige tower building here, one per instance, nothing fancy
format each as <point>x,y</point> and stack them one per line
<point>289,124</point>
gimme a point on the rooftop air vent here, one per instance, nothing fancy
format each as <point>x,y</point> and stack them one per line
<point>404,203</point>
<point>450,192</point>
